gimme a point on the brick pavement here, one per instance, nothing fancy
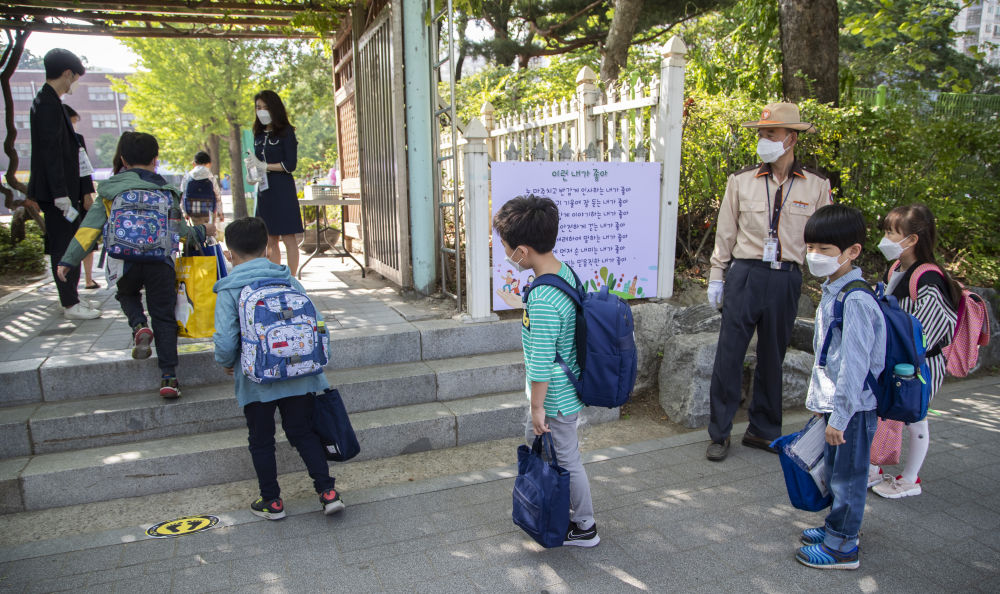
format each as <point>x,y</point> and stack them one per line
<point>669,521</point>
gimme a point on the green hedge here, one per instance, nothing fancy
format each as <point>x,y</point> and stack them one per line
<point>27,256</point>
<point>883,157</point>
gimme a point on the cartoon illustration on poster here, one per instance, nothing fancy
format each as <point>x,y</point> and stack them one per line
<point>608,223</point>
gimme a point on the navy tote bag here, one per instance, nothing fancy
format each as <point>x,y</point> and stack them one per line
<point>333,426</point>
<point>541,493</point>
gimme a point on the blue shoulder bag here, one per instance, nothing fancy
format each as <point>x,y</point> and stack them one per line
<point>541,493</point>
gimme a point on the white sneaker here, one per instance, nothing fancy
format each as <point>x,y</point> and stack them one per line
<point>92,304</point>
<point>875,475</point>
<point>81,311</point>
<point>895,488</point>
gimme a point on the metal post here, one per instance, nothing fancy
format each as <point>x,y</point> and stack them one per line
<point>667,147</point>
<point>881,94</point>
<point>420,148</point>
<point>476,169</point>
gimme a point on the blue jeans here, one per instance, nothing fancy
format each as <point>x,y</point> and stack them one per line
<point>847,477</point>
<point>296,420</point>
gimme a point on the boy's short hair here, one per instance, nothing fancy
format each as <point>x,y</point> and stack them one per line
<point>70,112</point>
<point>138,148</point>
<point>247,236</point>
<point>528,220</point>
<point>838,225</point>
<point>202,158</point>
<point>60,60</point>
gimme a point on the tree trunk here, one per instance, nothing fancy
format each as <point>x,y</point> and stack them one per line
<point>212,148</point>
<point>809,44</point>
<point>619,39</point>
<point>8,62</point>
<point>236,166</point>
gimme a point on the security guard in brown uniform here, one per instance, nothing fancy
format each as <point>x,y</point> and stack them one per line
<point>756,277</point>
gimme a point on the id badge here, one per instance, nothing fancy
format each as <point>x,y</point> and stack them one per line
<point>770,250</point>
<point>85,167</point>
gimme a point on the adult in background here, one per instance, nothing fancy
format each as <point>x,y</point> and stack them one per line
<point>55,172</point>
<point>755,275</point>
<point>274,143</point>
<point>87,193</point>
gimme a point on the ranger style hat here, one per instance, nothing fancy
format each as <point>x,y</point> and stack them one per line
<point>781,115</point>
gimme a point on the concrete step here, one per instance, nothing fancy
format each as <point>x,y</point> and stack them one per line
<point>106,373</point>
<point>73,424</point>
<point>162,465</point>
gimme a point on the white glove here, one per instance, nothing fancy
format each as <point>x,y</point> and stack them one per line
<point>66,206</point>
<point>715,294</point>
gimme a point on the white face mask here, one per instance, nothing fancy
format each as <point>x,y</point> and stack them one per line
<point>770,150</point>
<point>516,265</point>
<point>72,86</point>
<point>890,249</point>
<point>822,265</point>
<point>264,116</point>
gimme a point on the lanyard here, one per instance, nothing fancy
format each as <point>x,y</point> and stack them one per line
<point>773,227</point>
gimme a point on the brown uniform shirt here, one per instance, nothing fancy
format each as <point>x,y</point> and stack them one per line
<point>746,211</point>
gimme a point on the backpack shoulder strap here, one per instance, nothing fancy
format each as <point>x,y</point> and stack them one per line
<point>915,277</point>
<point>554,280</point>
<point>838,314</point>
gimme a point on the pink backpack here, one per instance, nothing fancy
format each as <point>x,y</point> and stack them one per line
<point>971,331</point>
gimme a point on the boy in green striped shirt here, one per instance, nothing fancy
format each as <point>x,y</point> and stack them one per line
<point>528,226</point>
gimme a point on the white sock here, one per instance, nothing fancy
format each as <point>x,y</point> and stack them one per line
<point>919,442</point>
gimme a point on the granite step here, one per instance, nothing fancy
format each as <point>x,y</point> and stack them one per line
<point>105,373</point>
<point>109,420</point>
<point>179,462</point>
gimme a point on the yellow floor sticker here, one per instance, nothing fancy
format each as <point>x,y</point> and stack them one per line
<point>182,526</point>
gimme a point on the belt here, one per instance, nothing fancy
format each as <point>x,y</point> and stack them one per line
<point>762,264</point>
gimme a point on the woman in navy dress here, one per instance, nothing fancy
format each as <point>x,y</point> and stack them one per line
<point>274,143</point>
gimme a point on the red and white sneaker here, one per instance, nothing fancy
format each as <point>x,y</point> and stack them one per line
<point>141,340</point>
<point>897,488</point>
<point>331,501</point>
<point>875,475</point>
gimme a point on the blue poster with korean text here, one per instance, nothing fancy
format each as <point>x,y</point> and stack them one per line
<point>609,216</point>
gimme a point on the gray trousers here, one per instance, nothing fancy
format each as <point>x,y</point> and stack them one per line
<point>581,508</point>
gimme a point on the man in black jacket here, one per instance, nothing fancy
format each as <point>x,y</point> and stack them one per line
<point>55,172</point>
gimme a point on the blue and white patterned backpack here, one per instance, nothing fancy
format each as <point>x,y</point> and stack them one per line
<point>281,333</point>
<point>141,226</point>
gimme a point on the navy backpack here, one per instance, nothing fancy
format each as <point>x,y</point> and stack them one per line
<point>899,398</point>
<point>199,190</point>
<point>605,343</point>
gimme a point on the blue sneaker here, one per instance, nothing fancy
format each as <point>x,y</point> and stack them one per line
<point>820,556</point>
<point>813,536</point>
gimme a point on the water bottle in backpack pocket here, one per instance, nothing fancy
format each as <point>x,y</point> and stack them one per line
<point>282,335</point>
<point>143,226</point>
<point>902,390</point>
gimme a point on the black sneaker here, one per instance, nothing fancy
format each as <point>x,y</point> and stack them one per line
<point>331,501</point>
<point>169,388</point>
<point>581,538</point>
<point>272,510</point>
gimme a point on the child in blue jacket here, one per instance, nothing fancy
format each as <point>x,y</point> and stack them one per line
<point>247,242</point>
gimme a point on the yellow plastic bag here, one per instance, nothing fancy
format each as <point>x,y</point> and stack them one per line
<point>195,309</point>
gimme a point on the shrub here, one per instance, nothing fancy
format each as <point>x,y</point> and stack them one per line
<point>27,257</point>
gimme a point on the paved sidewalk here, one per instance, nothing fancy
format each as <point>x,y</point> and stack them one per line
<point>669,521</point>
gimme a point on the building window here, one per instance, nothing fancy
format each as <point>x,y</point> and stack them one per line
<point>123,97</point>
<point>127,119</point>
<point>105,120</point>
<point>22,92</point>
<point>100,93</point>
<point>23,149</point>
<point>22,121</point>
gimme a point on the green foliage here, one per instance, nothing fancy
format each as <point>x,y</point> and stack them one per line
<point>736,50</point>
<point>104,149</point>
<point>27,256</point>
<point>883,157</point>
<point>187,89</point>
<point>908,43</point>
